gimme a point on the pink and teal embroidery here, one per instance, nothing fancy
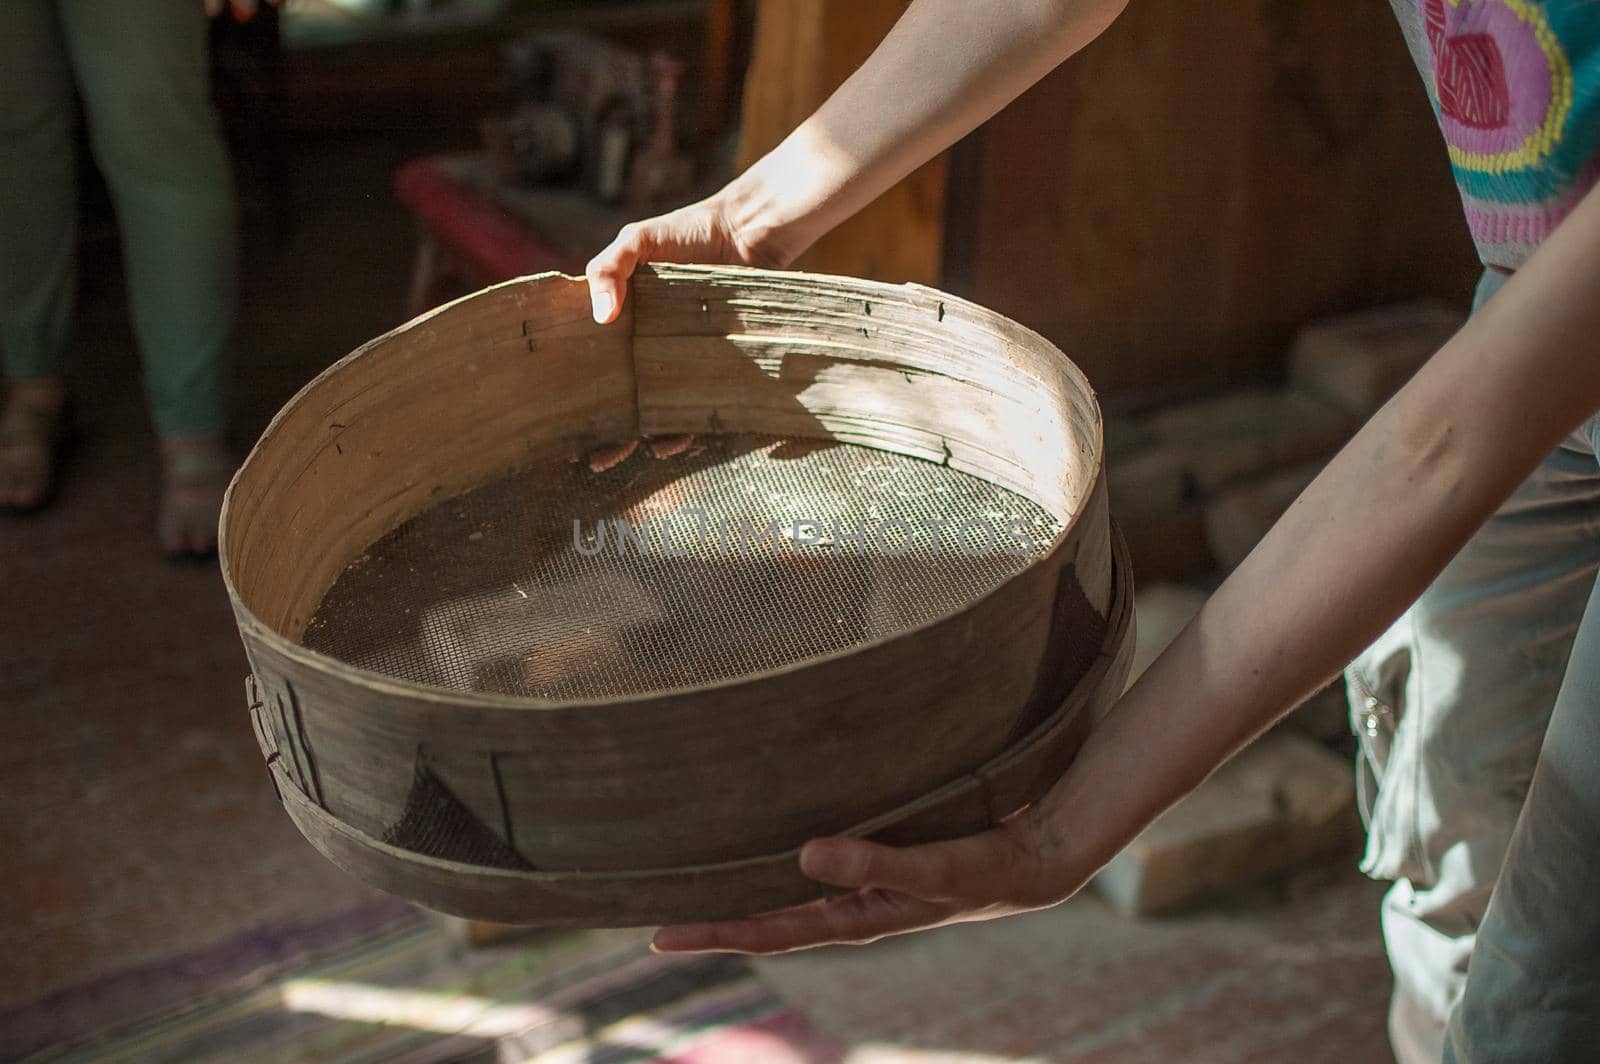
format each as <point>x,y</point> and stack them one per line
<point>1501,79</point>
<point>1516,85</point>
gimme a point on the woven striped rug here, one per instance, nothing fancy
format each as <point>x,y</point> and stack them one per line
<point>413,994</point>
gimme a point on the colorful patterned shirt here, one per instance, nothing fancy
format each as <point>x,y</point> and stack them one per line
<point>1516,87</point>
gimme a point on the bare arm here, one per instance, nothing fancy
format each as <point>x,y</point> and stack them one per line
<point>945,67</point>
<point>1358,546</point>
<point>1364,539</point>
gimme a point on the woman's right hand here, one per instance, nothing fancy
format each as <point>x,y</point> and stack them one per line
<point>701,232</point>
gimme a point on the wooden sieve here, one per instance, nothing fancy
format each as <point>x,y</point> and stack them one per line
<point>859,578</point>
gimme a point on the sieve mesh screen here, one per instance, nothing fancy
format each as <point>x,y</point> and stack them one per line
<point>737,555</point>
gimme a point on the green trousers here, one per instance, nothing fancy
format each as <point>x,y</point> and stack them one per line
<point>141,68</point>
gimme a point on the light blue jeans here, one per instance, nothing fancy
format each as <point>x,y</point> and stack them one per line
<point>1478,715</point>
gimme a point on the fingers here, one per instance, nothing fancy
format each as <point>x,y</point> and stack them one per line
<point>857,918</point>
<point>897,889</point>
<point>696,233</point>
<point>608,272</point>
<point>986,866</point>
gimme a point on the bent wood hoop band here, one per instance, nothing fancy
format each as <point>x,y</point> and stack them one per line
<point>591,800</point>
<point>976,801</point>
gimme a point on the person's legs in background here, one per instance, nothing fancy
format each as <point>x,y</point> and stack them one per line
<point>1451,707</point>
<point>143,72</point>
<point>38,238</point>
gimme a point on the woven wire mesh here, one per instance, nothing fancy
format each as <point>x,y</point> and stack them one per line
<point>737,555</point>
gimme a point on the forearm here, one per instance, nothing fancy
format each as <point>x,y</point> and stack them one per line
<point>945,67</point>
<point>1355,549</point>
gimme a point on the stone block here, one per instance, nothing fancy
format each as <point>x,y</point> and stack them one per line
<point>1146,483</point>
<point>1236,520</point>
<point>1148,488</point>
<point>1167,546</point>
<point>1166,465</point>
<point>1282,803</point>
<point>1359,360</point>
<point>1243,434</point>
<point>1159,613</point>
<point>1324,717</point>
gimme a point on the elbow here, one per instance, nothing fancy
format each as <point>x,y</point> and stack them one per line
<point>1101,13</point>
<point>1433,461</point>
<point>1106,11</point>
<point>1081,20</point>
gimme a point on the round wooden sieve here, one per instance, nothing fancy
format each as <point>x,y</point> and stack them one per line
<point>508,728</point>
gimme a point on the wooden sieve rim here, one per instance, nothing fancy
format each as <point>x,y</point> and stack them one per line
<point>253,628</point>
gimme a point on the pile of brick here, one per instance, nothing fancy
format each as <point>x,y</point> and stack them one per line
<point>1194,487</point>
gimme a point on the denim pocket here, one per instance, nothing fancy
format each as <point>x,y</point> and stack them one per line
<point>1386,773</point>
<point>1373,722</point>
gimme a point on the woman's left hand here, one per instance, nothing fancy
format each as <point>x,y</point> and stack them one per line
<point>1011,868</point>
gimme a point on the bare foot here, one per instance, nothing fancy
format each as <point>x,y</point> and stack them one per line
<point>195,471</point>
<point>32,424</point>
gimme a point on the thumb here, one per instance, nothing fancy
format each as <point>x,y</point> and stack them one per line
<point>608,273</point>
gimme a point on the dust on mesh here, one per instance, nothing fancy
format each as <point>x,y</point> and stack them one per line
<point>742,554</point>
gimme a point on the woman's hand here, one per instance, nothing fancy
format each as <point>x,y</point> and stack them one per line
<point>701,232</point>
<point>946,66</point>
<point>1015,867</point>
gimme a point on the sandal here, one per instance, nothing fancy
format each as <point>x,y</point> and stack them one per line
<point>33,441</point>
<point>195,474</point>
